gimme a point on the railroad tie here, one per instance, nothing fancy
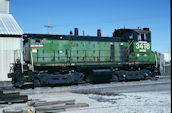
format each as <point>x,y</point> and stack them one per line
<point>15,97</point>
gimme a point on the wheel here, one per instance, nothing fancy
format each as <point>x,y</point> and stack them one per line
<point>146,76</point>
<point>37,82</point>
<point>125,79</point>
<point>115,78</point>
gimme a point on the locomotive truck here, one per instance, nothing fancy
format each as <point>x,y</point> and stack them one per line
<point>49,60</point>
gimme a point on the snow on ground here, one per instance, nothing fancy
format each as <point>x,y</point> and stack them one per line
<point>141,102</point>
<point>145,101</point>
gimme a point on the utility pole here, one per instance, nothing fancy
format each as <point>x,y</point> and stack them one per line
<point>48,27</point>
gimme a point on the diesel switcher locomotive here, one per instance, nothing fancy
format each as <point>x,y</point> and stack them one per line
<point>49,60</point>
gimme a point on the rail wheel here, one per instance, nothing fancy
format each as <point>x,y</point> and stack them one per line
<point>37,82</point>
<point>115,78</point>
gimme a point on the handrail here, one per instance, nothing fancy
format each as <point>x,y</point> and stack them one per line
<point>21,60</point>
<point>32,62</point>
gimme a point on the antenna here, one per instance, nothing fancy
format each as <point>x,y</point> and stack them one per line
<point>48,27</point>
<point>83,33</point>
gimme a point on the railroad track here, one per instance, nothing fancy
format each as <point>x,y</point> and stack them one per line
<point>160,80</point>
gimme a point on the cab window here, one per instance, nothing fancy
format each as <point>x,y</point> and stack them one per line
<point>131,36</point>
<point>142,37</point>
<point>148,37</point>
<point>139,37</point>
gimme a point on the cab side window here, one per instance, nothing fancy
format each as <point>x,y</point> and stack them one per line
<point>148,37</point>
<point>131,37</point>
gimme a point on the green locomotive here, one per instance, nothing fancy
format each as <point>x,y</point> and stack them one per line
<point>72,59</point>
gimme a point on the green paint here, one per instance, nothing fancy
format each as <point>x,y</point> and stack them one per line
<point>58,52</point>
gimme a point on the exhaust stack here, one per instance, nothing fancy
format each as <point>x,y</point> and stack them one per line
<point>76,32</point>
<point>70,33</point>
<point>98,33</point>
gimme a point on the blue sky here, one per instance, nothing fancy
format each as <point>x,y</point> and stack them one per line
<point>90,15</point>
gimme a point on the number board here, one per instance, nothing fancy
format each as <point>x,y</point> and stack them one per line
<point>142,46</point>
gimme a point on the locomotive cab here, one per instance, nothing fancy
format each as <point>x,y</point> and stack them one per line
<point>135,47</point>
<point>139,40</point>
<point>143,35</point>
<point>138,44</point>
<point>127,35</point>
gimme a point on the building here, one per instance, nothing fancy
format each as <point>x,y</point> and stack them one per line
<point>164,60</point>
<point>4,9</point>
<point>10,40</point>
<point>167,63</point>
